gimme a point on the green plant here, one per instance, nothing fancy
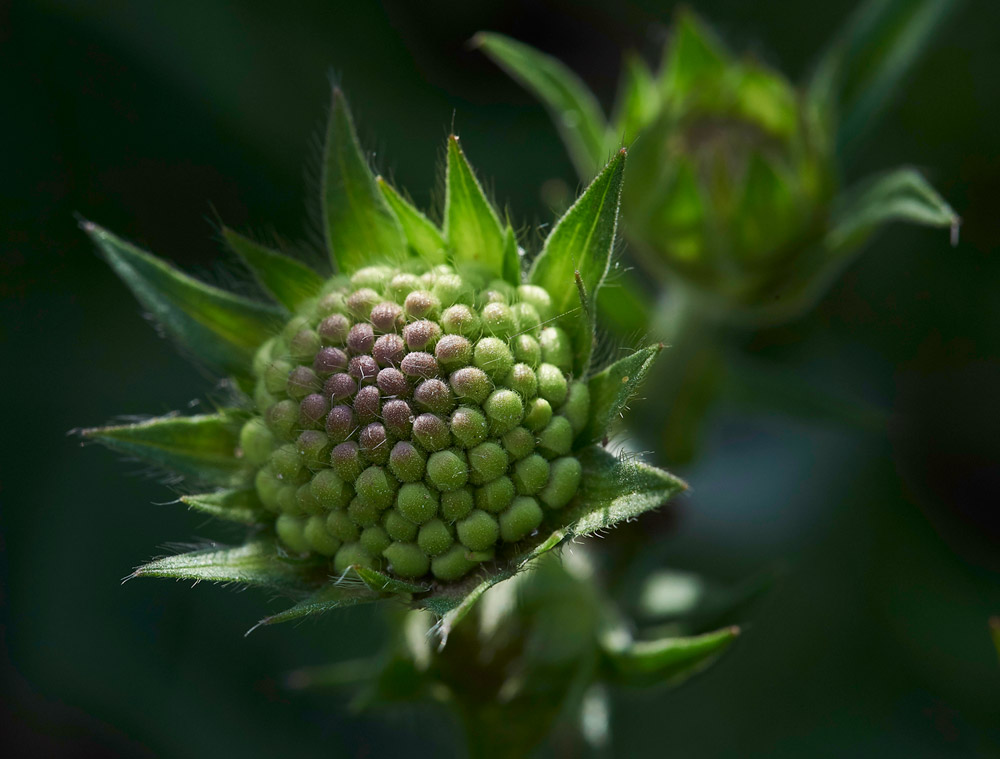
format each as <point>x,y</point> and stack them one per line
<point>420,426</point>
<point>734,202</point>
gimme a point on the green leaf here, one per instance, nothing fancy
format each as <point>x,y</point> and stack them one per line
<point>424,239</point>
<point>360,227</point>
<point>694,56</point>
<point>615,490</point>
<point>256,563</point>
<point>241,505</point>
<point>582,241</point>
<point>289,281</point>
<point>573,107</point>
<point>384,584</point>
<point>638,100</point>
<point>665,661</point>
<point>869,57</point>
<point>473,229</point>
<point>216,327</point>
<point>612,388</point>
<point>200,447</point>
<point>329,597</point>
<point>900,195</point>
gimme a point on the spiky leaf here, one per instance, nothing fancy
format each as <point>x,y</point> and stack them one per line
<point>473,229</point>
<point>612,388</point>
<point>867,59</point>
<point>359,223</point>
<point>200,447</point>
<point>327,598</point>
<point>616,490</point>
<point>572,106</point>
<point>424,239</point>
<point>383,583</point>
<point>665,661</point>
<point>240,505</point>
<point>582,241</point>
<point>256,563</point>
<point>290,282</point>
<point>216,327</point>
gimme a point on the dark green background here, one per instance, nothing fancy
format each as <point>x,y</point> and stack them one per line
<point>152,117</point>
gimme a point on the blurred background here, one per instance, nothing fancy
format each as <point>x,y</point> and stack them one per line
<point>154,119</point>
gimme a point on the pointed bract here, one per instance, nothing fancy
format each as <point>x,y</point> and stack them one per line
<point>582,241</point>
<point>359,224</point>
<point>325,599</point>
<point>694,53</point>
<point>242,505</point>
<point>215,326</point>
<point>572,106</point>
<point>665,661</point>
<point>612,388</point>
<point>256,563</point>
<point>202,448</point>
<point>616,490</point>
<point>473,229</point>
<point>424,239</point>
<point>383,583</point>
<point>288,281</point>
<point>900,195</point>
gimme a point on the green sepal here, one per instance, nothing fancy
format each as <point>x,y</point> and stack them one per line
<point>612,388</point>
<point>242,505</point>
<point>667,661</point>
<point>694,56</point>
<point>202,447</point>
<point>329,597</point>
<point>216,327</point>
<point>386,585</point>
<point>256,563</point>
<point>867,59</point>
<point>288,281</point>
<point>581,241</point>
<point>423,237</point>
<point>615,490</point>
<point>474,233</point>
<point>573,107</point>
<point>899,195</point>
<point>359,224</point>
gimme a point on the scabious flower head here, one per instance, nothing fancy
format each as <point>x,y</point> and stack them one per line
<point>419,425</point>
<point>414,419</point>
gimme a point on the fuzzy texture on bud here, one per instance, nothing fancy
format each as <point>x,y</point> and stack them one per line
<point>412,423</point>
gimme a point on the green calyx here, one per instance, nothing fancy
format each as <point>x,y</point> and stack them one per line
<point>733,186</point>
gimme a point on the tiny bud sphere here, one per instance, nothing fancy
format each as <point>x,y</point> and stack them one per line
<point>414,421</point>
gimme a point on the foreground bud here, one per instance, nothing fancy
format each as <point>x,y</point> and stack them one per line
<point>425,409</point>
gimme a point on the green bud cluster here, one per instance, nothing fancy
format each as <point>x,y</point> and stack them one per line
<point>414,421</point>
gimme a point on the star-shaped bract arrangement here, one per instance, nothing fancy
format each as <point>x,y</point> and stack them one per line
<point>422,424</point>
